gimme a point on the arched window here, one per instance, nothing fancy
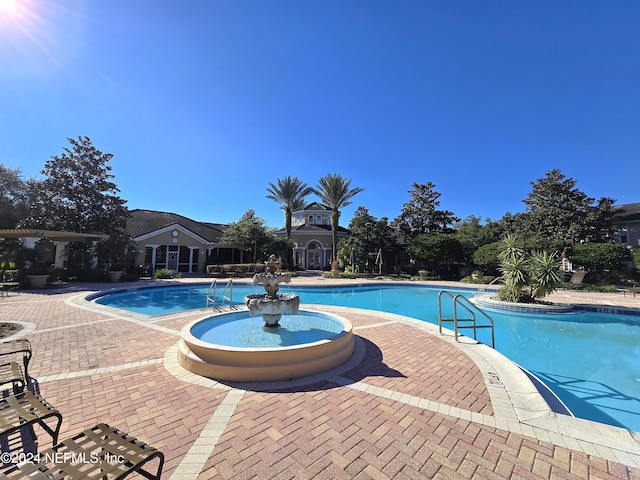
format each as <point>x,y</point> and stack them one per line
<point>310,218</point>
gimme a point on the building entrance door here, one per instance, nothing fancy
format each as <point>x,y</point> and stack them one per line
<point>314,256</point>
<point>172,261</point>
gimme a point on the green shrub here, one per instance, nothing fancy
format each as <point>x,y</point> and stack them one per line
<point>605,262</point>
<point>602,288</point>
<point>10,275</point>
<point>163,273</point>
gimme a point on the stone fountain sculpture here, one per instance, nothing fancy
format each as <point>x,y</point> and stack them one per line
<point>271,304</point>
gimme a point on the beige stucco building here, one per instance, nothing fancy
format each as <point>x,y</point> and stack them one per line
<point>311,234</point>
<point>168,240</point>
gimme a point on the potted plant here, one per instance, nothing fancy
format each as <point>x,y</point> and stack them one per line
<point>114,273</point>
<point>116,251</point>
<point>335,269</point>
<point>38,274</point>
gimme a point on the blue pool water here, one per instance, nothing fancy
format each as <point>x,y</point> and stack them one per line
<point>590,360</point>
<point>238,329</point>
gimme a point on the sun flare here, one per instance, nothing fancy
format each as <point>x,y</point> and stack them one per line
<point>8,6</point>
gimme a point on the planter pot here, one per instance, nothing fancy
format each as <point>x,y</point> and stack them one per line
<point>114,275</point>
<point>38,281</point>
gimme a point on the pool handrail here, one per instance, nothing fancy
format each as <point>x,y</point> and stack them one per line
<point>212,295</point>
<point>462,301</point>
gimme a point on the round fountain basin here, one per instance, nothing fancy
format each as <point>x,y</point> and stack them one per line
<point>238,347</point>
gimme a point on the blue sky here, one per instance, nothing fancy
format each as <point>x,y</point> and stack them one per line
<point>204,102</point>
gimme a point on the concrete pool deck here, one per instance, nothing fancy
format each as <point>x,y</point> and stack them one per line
<point>410,403</point>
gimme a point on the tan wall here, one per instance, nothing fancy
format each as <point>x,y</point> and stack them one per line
<point>167,239</point>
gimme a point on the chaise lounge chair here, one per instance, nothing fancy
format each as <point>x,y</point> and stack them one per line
<point>577,279</point>
<point>101,452</point>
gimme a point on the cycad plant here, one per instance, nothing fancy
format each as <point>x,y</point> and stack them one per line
<point>527,276</point>
<point>512,248</point>
<point>515,270</point>
<point>544,273</point>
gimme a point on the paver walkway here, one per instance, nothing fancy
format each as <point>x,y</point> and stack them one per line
<point>409,404</point>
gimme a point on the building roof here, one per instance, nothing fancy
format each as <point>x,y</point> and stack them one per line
<point>314,206</point>
<point>312,228</point>
<point>628,212</point>
<point>51,235</point>
<point>143,222</point>
<point>318,227</point>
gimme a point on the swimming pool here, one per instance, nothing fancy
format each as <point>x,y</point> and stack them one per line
<point>590,360</point>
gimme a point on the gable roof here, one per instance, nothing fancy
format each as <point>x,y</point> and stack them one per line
<point>628,211</point>
<point>312,206</point>
<point>312,228</point>
<point>143,222</point>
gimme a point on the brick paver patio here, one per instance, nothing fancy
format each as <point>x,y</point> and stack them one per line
<point>409,404</point>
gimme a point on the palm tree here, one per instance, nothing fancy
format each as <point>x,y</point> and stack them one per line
<point>290,194</point>
<point>333,190</point>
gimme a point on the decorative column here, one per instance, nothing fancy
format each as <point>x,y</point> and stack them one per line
<point>154,249</point>
<point>191,249</point>
<point>60,254</point>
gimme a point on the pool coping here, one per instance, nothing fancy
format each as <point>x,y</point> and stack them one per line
<point>518,405</point>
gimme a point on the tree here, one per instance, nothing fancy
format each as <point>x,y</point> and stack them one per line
<point>563,215</point>
<point>14,197</point>
<point>437,251</point>
<point>367,236</point>
<point>472,234</point>
<point>421,215</point>
<point>602,260</point>
<point>280,247</point>
<point>118,252</point>
<point>290,193</point>
<point>335,192</point>
<point>78,193</point>
<point>249,234</point>
<point>486,257</point>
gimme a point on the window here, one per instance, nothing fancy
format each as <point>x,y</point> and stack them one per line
<point>624,239</point>
<point>161,255</point>
<point>148,255</point>
<point>310,218</point>
<point>319,219</point>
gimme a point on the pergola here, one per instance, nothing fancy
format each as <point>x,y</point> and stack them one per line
<point>60,239</point>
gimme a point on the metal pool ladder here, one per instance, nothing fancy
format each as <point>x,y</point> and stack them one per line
<point>212,295</point>
<point>460,301</point>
